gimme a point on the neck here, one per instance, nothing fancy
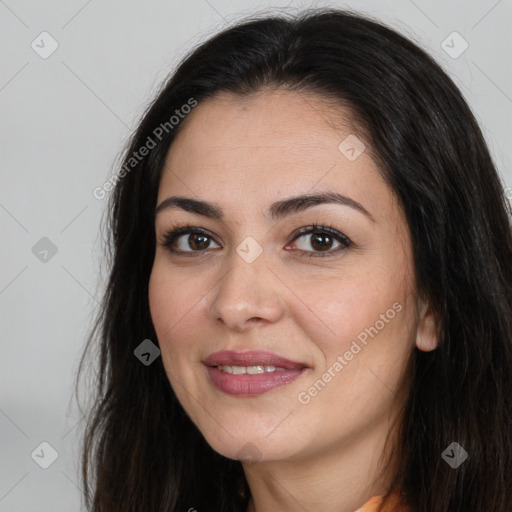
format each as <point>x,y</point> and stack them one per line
<point>341,479</point>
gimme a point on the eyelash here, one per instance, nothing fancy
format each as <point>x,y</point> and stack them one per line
<point>178,230</point>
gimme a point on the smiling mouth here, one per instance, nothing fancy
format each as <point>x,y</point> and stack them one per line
<point>252,380</point>
<point>250,373</point>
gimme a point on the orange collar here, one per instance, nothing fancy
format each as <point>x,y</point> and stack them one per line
<point>395,504</point>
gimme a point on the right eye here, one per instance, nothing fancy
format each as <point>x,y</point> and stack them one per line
<point>196,241</point>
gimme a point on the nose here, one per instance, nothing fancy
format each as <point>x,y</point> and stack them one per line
<point>247,294</point>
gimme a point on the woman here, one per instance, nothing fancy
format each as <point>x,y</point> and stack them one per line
<point>309,304</point>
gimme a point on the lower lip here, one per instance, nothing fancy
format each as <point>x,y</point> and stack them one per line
<point>251,385</point>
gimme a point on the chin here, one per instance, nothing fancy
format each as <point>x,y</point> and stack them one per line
<point>249,445</point>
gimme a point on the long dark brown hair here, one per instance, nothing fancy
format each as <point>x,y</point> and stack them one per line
<point>140,450</point>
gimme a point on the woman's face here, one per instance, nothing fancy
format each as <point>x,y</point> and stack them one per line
<point>259,284</point>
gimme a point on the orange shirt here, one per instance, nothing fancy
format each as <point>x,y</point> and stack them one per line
<point>394,505</point>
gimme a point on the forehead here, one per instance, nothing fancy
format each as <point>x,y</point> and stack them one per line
<point>270,118</point>
<point>266,146</point>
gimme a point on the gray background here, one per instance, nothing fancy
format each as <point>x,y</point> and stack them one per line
<point>64,120</point>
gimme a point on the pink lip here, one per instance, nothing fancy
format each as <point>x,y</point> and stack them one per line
<point>251,385</point>
<point>250,358</point>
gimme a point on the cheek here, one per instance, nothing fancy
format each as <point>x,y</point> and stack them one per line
<point>170,309</point>
<point>162,303</point>
<point>367,322</point>
<point>342,310</point>
<point>177,305</point>
<point>363,348</point>
<point>171,300</point>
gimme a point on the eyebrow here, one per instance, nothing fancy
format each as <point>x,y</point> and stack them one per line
<point>277,210</point>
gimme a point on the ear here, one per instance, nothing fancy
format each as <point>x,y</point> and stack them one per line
<point>426,334</point>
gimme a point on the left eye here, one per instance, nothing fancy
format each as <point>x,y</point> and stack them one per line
<point>321,240</point>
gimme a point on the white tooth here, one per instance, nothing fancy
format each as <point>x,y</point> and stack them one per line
<point>252,370</point>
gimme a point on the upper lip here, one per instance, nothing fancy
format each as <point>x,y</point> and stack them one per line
<point>251,358</point>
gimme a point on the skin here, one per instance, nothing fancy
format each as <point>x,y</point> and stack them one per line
<point>244,153</point>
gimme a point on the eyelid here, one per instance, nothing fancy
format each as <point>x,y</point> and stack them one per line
<point>321,228</point>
